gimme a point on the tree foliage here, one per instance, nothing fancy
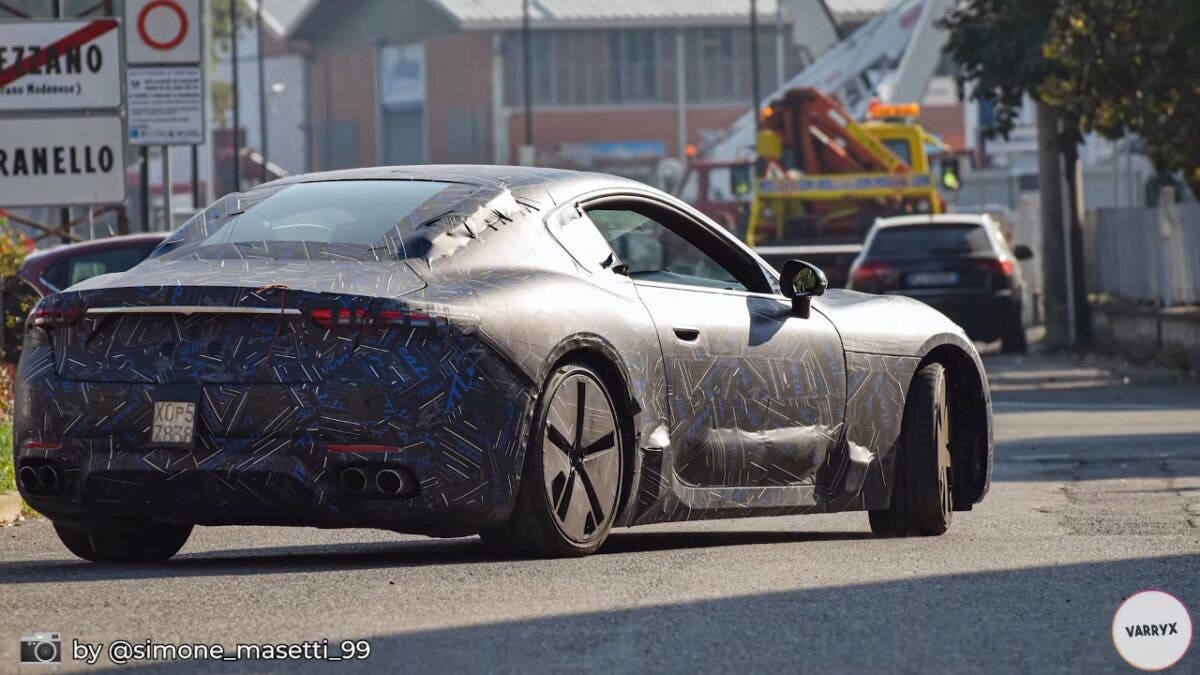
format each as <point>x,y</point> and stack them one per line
<point>998,46</point>
<point>220,16</point>
<point>1130,66</point>
<point>221,45</point>
<point>1115,67</point>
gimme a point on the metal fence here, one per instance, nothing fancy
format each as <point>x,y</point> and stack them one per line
<point>1145,254</point>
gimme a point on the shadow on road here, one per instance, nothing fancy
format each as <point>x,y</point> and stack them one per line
<point>379,555</point>
<point>1040,619</point>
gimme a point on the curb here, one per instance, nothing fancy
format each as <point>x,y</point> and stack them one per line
<point>10,508</point>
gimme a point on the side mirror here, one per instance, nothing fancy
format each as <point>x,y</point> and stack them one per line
<point>1023,252</point>
<point>801,281</point>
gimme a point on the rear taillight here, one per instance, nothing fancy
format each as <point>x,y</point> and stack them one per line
<point>47,317</point>
<point>329,317</point>
<point>999,266</point>
<point>871,271</point>
<point>332,317</point>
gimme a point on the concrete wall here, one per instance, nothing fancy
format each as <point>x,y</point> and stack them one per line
<point>342,80</point>
<point>458,87</point>
<point>1141,334</point>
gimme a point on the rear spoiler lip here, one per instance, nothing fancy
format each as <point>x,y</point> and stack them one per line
<point>192,309</point>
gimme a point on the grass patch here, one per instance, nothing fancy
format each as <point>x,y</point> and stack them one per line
<point>8,479</point>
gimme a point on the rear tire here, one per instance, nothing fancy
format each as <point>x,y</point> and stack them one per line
<point>141,542</point>
<point>922,502</point>
<point>1013,340</point>
<point>574,469</point>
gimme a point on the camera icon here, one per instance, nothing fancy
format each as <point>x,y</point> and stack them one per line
<point>41,648</point>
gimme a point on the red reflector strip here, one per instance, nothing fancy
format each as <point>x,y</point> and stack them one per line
<point>361,448</point>
<point>328,317</point>
<point>43,445</point>
<point>51,318</point>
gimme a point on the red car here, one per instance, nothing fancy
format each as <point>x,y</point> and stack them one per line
<point>53,269</point>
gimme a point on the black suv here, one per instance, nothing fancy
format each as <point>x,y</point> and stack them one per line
<point>960,264</point>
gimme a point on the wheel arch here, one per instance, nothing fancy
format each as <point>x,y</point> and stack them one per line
<point>970,407</point>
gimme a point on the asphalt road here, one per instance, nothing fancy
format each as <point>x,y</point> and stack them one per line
<point>1097,495</point>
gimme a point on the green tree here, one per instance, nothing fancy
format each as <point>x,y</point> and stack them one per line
<point>997,44</point>
<point>220,45</point>
<point>1129,66</point>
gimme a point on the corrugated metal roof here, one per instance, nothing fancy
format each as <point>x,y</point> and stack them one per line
<point>287,12</point>
<point>483,14</point>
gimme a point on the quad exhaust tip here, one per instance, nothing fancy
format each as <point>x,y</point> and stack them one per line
<point>397,482</point>
<point>353,480</point>
<point>29,479</point>
<point>48,477</point>
<point>39,480</point>
<point>390,482</point>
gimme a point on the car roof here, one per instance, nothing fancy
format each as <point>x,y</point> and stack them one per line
<point>96,244</point>
<point>475,174</point>
<point>533,184</point>
<point>934,219</point>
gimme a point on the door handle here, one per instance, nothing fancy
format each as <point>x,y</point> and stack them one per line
<point>687,333</point>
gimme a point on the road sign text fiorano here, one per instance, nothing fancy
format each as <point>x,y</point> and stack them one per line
<point>19,60</point>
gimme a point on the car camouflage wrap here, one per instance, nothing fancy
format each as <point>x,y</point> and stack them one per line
<point>426,352</point>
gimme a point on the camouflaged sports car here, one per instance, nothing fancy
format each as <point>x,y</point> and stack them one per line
<point>535,356</point>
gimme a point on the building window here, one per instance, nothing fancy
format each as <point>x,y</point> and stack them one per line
<point>637,63</point>
<point>637,66</point>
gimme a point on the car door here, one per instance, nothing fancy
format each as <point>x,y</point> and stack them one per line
<point>756,394</point>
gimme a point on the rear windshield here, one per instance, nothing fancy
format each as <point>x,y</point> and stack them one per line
<point>922,241</point>
<point>355,214</point>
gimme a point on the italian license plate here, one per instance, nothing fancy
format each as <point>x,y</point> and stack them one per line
<point>174,423</point>
<point>933,279</point>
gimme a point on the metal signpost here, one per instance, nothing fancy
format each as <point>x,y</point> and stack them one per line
<point>165,81</point>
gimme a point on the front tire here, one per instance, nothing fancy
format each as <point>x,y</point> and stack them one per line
<point>127,543</point>
<point>922,502</point>
<point>574,468</point>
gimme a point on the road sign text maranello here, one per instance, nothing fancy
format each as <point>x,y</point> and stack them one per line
<point>58,160</point>
<point>60,65</point>
<point>48,160</point>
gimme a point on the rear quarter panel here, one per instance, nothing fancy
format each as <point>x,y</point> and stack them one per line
<point>887,338</point>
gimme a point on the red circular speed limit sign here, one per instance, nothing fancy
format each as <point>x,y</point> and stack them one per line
<point>169,5</point>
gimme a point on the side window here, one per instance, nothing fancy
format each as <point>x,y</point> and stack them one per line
<point>579,236</point>
<point>654,252</point>
<point>72,270</point>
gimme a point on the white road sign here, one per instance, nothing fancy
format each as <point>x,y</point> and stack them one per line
<point>62,161</point>
<point>162,31</point>
<point>165,104</point>
<point>60,65</point>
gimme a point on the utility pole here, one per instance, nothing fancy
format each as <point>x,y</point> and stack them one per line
<point>527,78</point>
<point>64,213</point>
<point>237,141</point>
<point>755,85</point>
<point>1056,298</point>
<point>262,94</point>
<point>168,220</point>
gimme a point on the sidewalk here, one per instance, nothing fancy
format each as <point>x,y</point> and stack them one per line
<point>10,508</point>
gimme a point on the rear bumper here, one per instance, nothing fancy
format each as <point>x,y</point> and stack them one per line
<point>261,454</point>
<point>984,316</point>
